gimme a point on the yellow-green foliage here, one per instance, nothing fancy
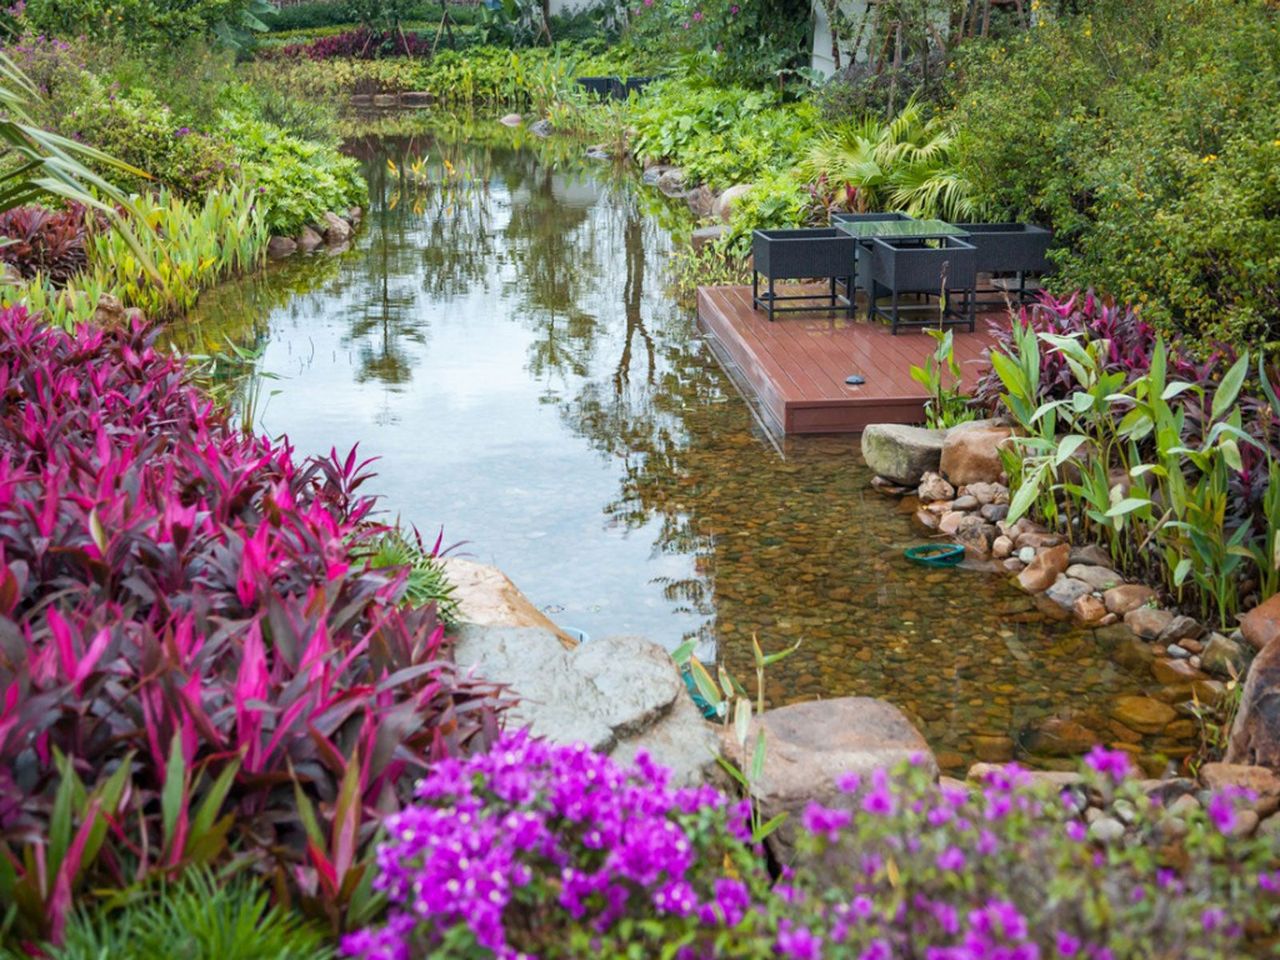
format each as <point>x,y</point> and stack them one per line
<point>192,245</point>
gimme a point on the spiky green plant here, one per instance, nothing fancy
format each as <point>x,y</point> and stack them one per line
<point>904,164</point>
<point>427,581</point>
<point>201,917</point>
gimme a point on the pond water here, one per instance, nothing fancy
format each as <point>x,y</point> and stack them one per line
<point>502,338</point>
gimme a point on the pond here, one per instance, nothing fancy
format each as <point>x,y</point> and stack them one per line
<point>503,340</point>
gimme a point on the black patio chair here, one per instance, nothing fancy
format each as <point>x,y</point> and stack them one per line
<point>860,281</point>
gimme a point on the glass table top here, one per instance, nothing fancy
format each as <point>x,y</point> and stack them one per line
<point>868,229</point>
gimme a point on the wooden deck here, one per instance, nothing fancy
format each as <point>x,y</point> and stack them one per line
<point>793,369</point>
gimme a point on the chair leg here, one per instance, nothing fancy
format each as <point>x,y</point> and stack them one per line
<point>833,298</point>
<point>755,289</point>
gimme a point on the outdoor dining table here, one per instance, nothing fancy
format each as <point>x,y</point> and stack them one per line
<point>899,229</point>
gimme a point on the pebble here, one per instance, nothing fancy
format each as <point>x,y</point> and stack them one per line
<point>1106,830</point>
<point>1026,554</point>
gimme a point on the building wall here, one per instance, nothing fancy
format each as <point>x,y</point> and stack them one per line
<point>820,59</point>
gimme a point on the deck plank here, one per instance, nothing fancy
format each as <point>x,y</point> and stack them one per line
<point>796,366</point>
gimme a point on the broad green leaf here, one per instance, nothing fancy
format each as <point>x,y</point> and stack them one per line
<point>757,759</point>
<point>1128,505</point>
<point>1229,388</point>
<point>173,795</point>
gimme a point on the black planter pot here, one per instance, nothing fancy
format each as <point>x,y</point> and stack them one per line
<point>1010,248</point>
<point>824,252</point>
<point>600,87</point>
<point>938,268</point>
<point>637,84</point>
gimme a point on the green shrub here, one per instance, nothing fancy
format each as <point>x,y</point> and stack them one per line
<point>152,23</point>
<point>719,136</point>
<point>296,181</point>
<point>1145,135</point>
<point>203,917</point>
<point>775,201</point>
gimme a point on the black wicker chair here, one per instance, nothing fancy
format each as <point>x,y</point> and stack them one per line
<point>860,281</point>
<point>945,268</point>
<point>802,254</point>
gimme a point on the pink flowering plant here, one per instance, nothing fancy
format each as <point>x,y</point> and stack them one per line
<point>546,851</point>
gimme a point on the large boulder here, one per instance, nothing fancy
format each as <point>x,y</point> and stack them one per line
<point>706,236</point>
<point>1255,735</point>
<point>336,229</point>
<point>722,209</point>
<point>808,745</point>
<point>1261,625</point>
<point>971,454</point>
<point>618,695</point>
<point>900,453</point>
<point>673,182</point>
<point>486,597</point>
<point>280,247</point>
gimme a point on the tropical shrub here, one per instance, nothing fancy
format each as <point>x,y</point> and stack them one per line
<point>153,23</point>
<point>296,181</point>
<point>203,916</point>
<point>195,667</point>
<point>1166,460</point>
<point>777,200</point>
<point>559,852</point>
<point>904,164</point>
<point>362,44</point>
<point>1144,134</point>
<point>41,241</point>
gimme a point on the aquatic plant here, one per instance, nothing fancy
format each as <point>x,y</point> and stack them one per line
<point>556,851</point>
<point>196,666</point>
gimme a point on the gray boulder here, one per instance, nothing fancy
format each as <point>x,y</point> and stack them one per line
<point>900,453</point>
<point>618,695</point>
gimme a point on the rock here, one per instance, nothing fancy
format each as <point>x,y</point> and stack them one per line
<point>672,182</point>
<point>1037,539</point>
<point>1055,780</point>
<point>355,214</point>
<point>994,512</point>
<point>1065,591</point>
<point>992,749</point>
<point>1106,830</point>
<point>927,519</point>
<point>900,453</point>
<point>1224,657</point>
<point>1044,569</point>
<point>512,120</point>
<point>486,597</point>
<point>1262,783</point>
<point>809,744</point>
<point>1178,653</point>
<point>1148,622</point>
<point>308,240</point>
<point>889,488</point>
<point>617,694</point>
<point>1013,565</point>
<point>1181,628</point>
<point>933,487</point>
<point>1129,596</point>
<point>706,236</point>
<point>1261,625</point>
<point>1027,554</point>
<point>975,534</point>
<point>965,503</point>
<point>1090,554</point>
<point>109,311</point>
<point>973,455</point>
<point>701,201</point>
<point>336,229</point>
<point>385,100</point>
<point>949,525</point>
<point>1059,737</point>
<point>417,98</point>
<point>280,247</point>
<point>133,316</point>
<point>542,128</point>
<point>1175,671</point>
<point>1097,577</point>
<point>1001,547</point>
<point>1255,735</point>
<point>723,208</point>
<point>1143,713</point>
<point>1089,609</point>
<point>989,494</point>
<point>652,174</point>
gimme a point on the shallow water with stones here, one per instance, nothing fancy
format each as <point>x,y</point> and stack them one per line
<point>502,338</point>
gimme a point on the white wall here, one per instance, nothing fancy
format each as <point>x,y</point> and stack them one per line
<point>820,59</point>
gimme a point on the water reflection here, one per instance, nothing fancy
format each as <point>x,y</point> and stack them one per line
<point>501,339</point>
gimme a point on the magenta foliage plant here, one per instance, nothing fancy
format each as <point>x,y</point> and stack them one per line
<point>546,851</point>
<point>193,667</point>
<point>362,44</point>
